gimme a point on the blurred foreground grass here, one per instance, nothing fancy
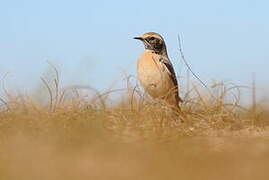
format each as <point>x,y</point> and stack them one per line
<point>72,137</point>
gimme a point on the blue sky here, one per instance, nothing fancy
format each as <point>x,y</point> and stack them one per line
<point>91,41</point>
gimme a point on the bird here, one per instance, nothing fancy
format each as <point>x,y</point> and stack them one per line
<point>155,71</point>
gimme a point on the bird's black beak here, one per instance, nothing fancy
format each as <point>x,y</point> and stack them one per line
<point>139,38</point>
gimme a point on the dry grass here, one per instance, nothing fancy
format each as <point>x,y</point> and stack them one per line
<point>74,137</point>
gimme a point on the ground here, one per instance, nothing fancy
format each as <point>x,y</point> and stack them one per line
<point>133,138</point>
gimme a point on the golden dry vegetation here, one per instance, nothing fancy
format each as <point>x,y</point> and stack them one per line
<point>133,137</point>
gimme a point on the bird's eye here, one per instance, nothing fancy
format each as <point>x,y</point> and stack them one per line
<point>152,38</point>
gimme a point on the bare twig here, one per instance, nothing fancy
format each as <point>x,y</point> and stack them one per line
<point>188,66</point>
<point>5,91</point>
<point>4,103</point>
<point>49,90</point>
<point>56,83</point>
<point>254,92</point>
<point>190,70</point>
<point>254,104</point>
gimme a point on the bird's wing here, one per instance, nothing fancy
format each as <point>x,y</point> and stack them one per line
<point>170,70</point>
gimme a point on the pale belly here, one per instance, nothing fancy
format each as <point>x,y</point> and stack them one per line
<point>154,79</point>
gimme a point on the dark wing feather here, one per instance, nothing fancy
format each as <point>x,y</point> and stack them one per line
<point>172,73</point>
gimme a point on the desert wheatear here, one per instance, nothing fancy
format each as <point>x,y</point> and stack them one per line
<point>155,71</point>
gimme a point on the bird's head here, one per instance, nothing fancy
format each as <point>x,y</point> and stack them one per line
<point>153,41</point>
